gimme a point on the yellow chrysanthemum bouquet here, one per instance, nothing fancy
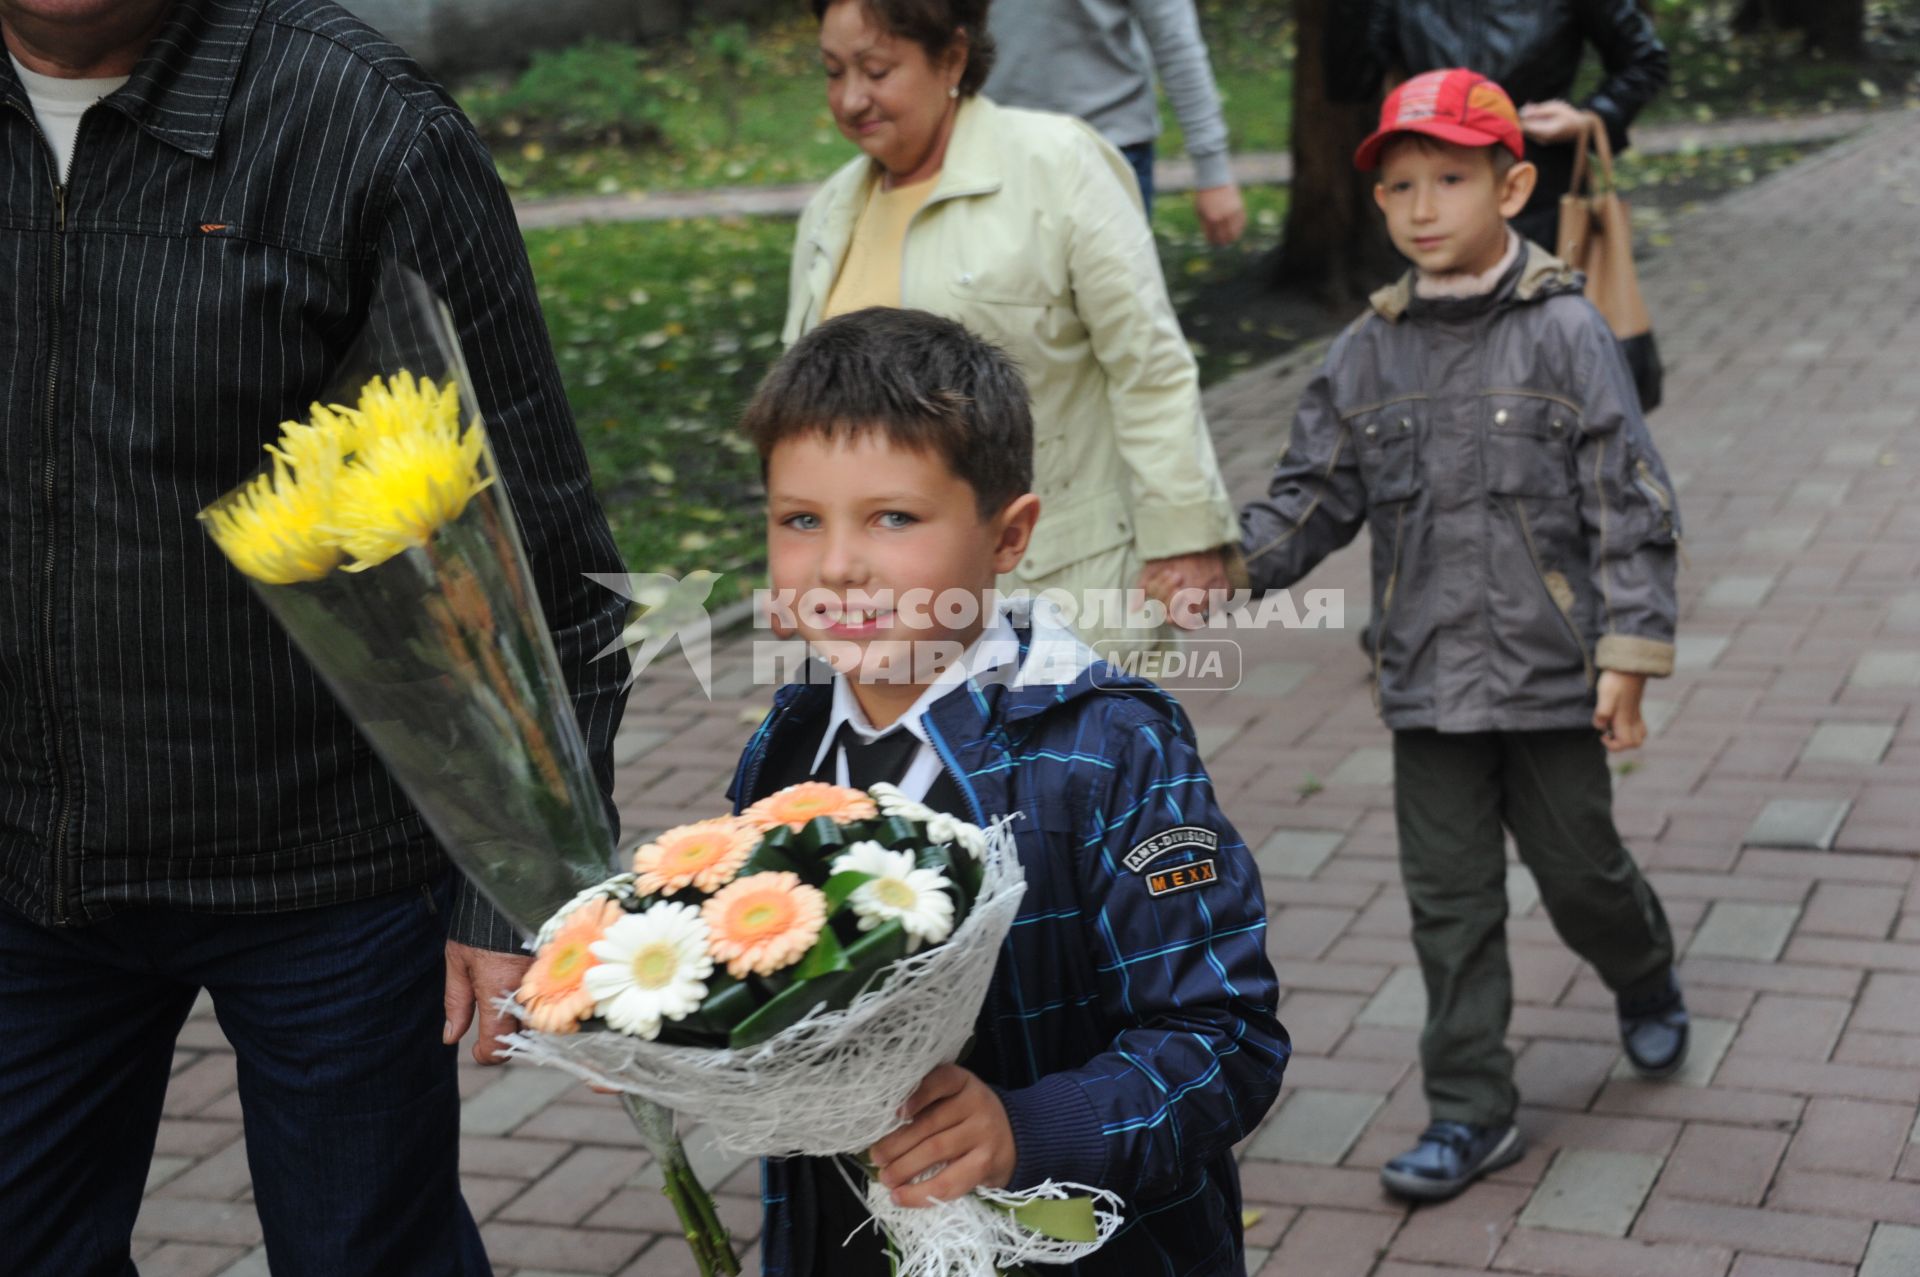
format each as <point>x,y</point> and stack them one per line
<point>379,537</point>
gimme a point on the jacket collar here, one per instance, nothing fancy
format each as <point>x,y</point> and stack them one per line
<point>1536,274</point>
<point>180,89</point>
<point>972,166</point>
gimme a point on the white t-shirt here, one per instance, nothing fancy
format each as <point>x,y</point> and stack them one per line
<point>58,104</point>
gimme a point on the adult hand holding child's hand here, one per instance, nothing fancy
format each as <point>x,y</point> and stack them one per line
<point>1552,122</point>
<point>1617,715</point>
<point>956,1119</point>
<point>1185,583</point>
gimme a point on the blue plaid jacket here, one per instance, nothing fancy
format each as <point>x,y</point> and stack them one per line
<point>1131,1035</point>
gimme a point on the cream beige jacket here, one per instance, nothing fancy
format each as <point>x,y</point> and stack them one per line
<point>1034,238</point>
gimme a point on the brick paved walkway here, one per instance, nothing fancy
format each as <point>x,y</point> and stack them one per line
<point>1778,810</point>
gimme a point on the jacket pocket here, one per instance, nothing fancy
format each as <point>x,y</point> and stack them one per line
<point>1528,446</point>
<point>1663,519</point>
<point>1386,444</point>
<point>1071,532</point>
<point>1561,601</point>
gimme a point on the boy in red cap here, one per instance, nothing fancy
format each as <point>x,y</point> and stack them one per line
<point>1481,421</point>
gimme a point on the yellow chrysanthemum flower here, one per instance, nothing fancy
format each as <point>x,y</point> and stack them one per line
<point>413,470</point>
<point>273,528</point>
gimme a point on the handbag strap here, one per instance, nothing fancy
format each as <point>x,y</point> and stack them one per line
<point>1594,136</point>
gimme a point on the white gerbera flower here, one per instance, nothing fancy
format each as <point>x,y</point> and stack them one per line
<point>653,966</point>
<point>894,803</point>
<point>952,829</point>
<point>917,898</point>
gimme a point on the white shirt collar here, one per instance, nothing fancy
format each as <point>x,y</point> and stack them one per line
<point>996,647</point>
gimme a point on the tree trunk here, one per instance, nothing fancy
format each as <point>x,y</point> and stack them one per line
<point>1836,28</point>
<point>1335,244</point>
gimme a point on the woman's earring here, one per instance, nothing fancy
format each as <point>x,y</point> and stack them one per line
<point>954,91</point>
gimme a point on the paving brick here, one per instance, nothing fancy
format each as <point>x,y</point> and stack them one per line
<point>1887,669</point>
<point>1846,1197</point>
<point>1296,853</point>
<point>1637,1098</point>
<point>517,1094</point>
<point>211,1223</point>
<point>1707,1043</point>
<point>1770,977</point>
<point>1737,592</point>
<point>1564,1075</point>
<point>1285,1184</point>
<point>1799,823</point>
<point>1332,1243</point>
<point>1371,765</point>
<point>1590,1191</point>
<point>1785,1027</point>
<point>1857,744</point>
<point>572,1190</point>
<point>1723,1164</point>
<point>1800,1077</point>
<point>189,1259</point>
<point>251,1264</point>
<point>1401,1002</point>
<point>1315,1126</point>
<point>1895,1252</point>
<point>1774,1266</point>
<point>1756,933</point>
<point>1532,1250</point>
<point>570,1249</point>
<point>1851,1136</point>
<point>1465,1232</point>
<point>1768,1232</point>
<point>1842,909</point>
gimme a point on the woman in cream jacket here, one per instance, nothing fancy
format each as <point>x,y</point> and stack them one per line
<point>1027,228</point>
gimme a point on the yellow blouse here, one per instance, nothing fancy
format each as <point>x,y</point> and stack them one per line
<point>870,275</point>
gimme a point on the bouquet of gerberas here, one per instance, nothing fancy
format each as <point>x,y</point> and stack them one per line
<point>790,975</point>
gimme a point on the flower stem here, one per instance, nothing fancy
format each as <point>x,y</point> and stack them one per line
<point>699,1220</point>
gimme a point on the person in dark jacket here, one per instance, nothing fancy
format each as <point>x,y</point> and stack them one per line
<point>1479,419</point>
<point>197,198</point>
<point>1530,48</point>
<point>1128,1040</point>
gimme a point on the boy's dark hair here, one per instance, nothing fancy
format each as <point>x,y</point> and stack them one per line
<point>1503,159</point>
<point>923,382</point>
<point>932,24</point>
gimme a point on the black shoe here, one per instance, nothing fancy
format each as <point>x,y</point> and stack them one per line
<point>1450,1156</point>
<point>1653,1026</point>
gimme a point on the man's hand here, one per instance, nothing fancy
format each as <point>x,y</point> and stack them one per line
<point>475,977</point>
<point>1223,215</point>
<point>1185,583</point>
<point>954,1122</point>
<point>1551,122</point>
<point>1617,717</point>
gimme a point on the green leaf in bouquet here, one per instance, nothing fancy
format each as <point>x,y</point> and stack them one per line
<point>768,858</point>
<point>1068,1220</point>
<point>826,958</point>
<point>841,886</point>
<point>952,863</point>
<point>779,838</point>
<point>866,958</point>
<point>895,832</point>
<point>729,1001</point>
<point>822,837</point>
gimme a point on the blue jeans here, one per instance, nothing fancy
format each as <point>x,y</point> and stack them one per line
<point>350,1106</point>
<point>1140,155</point>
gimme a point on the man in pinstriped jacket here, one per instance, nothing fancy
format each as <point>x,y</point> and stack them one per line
<point>196,197</point>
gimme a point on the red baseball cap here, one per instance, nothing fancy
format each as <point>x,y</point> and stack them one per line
<point>1457,105</point>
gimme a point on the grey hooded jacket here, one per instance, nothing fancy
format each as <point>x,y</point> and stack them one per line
<point>1524,529</point>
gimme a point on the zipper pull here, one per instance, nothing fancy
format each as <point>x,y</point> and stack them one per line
<point>60,208</point>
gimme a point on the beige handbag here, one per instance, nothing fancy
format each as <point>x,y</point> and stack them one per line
<point>1596,237</point>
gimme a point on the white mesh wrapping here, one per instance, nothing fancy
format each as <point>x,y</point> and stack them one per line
<point>834,1082</point>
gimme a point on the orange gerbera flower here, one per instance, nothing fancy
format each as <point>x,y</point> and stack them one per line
<point>763,922</point>
<point>552,993</point>
<point>705,855</point>
<point>795,805</point>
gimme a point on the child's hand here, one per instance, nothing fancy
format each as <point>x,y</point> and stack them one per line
<point>1617,717</point>
<point>955,1122</point>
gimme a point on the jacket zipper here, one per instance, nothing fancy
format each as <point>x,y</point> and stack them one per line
<point>1540,575</point>
<point>1650,488</point>
<point>953,769</point>
<point>1386,603</point>
<point>63,810</point>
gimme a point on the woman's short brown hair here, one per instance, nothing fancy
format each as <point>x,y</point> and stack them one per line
<point>933,24</point>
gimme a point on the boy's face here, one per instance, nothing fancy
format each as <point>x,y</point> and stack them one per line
<point>856,523</point>
<point>1446,208</point>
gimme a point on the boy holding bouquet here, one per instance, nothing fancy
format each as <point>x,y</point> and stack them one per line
<point>1128,1040</point>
